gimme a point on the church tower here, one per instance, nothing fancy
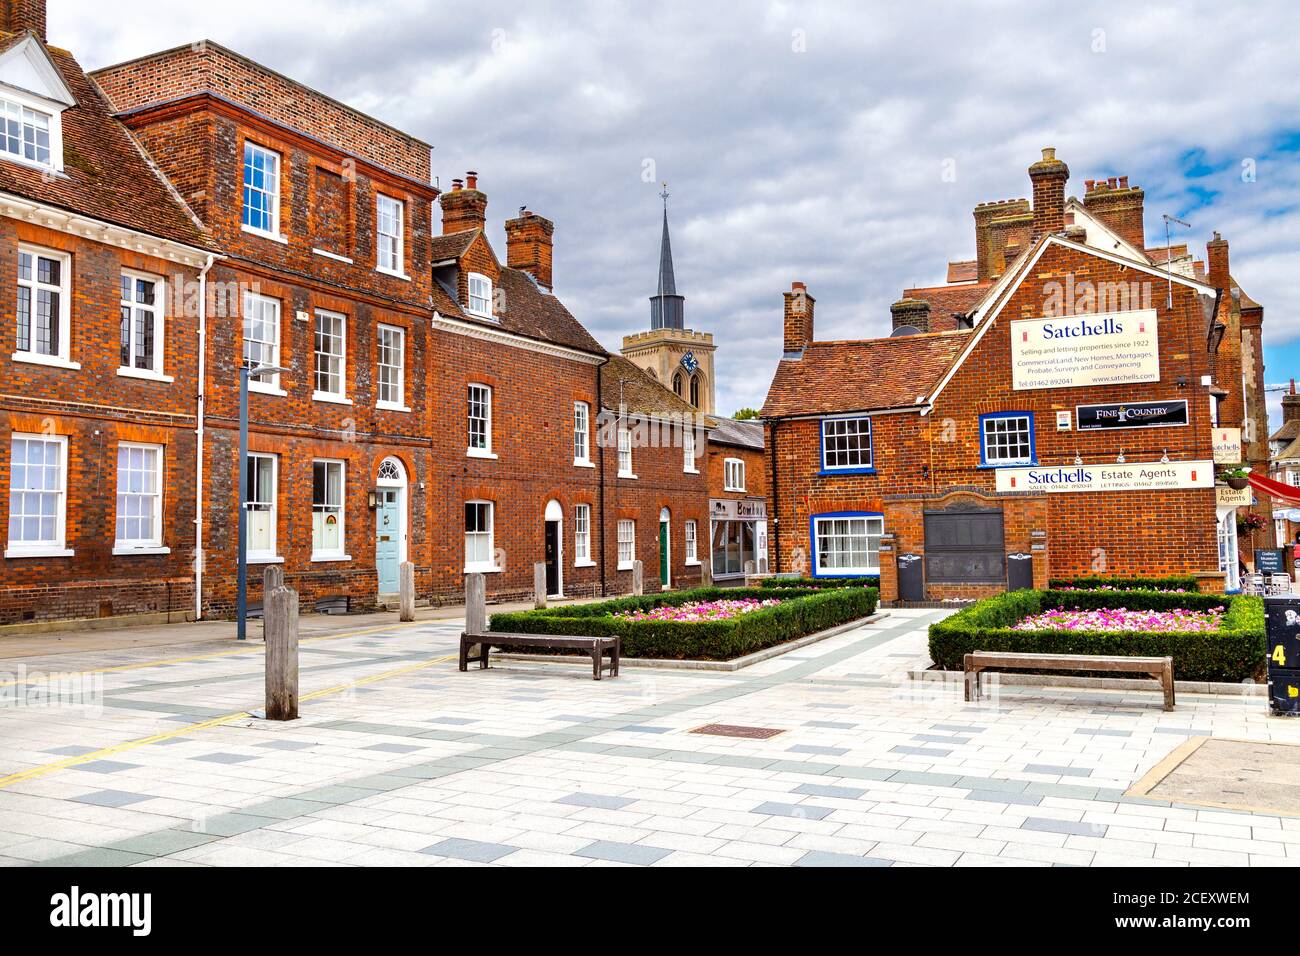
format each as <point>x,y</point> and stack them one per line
<point>678,357</point>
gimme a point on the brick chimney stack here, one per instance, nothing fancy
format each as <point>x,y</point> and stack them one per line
<point>798,318</point>
<point>529,246</point>
<point>913,312</point>
<point>1291,405</point>
<point>1216,264</point>
<point>463,207</point>
<point>1048,177</point>
<point>19,15</point>
<point>1118,205</point>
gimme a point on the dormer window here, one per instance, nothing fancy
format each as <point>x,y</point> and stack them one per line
<point>480,295</point>
<point>26,132</point>
<point>33,97</point>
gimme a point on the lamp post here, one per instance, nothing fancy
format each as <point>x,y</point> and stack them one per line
<point>241,606</point>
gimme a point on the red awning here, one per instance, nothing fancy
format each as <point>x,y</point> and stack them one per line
<point>1275,489</point>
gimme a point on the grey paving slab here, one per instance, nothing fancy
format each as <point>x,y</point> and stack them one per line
<point>1057,770</point>
<point>830,724</point>
<point>823,790</point>
<point>997,796</point>
<point>802,811</point>
<point>647,729</point>
<point>615,852</point>
<point>814,749</point>
<point>1071,827</point>
<point>286,744</point>
<point>111,798</point>
<point>222,757</point>
<point>595,800</point>
<point>476,851</point>
<point>97,857</point>
<point>394,748</point>
<point>72,750</point>
<point>1102,732</point>
<point>105,766</point>
<point>920,751</point>
<point>457,721</point>
<point>163,842</point>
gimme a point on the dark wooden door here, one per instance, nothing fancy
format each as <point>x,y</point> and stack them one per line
<point>965,546</point>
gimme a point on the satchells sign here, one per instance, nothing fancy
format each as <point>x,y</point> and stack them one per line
<point>1141,476</point>
<point>1110,348</point>
<point>1132,415</point>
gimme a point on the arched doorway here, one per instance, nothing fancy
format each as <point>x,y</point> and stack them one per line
<point>554,549</point>
<point>390,523</point>
<point>665,549</point>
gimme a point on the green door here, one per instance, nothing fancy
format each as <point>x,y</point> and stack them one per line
<point>663,554</point>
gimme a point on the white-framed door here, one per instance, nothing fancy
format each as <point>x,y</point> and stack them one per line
<point>391,544</point>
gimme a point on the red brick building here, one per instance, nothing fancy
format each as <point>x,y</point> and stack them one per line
<point>737,499</point>
<point>103,266</point>
<point>1051,412</point>
<point>322,217</point>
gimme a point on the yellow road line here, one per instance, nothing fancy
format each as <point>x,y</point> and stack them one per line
<point>250,649</point>
<point>44,769</point>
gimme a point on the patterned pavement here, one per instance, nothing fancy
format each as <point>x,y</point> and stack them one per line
<point>399,759</point>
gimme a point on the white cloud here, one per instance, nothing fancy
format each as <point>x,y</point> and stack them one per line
<point>822,165</point>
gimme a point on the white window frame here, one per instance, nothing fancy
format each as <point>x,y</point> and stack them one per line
<point>269,382</point>
<point>55,547</point>
<point>688,450</point>
<point>158,310</point>
<point>341,552</point>
<point>870,522</point>
<point>250,149</point>
<point>152,544</point>
<point>1020,418</point>
<point>690,533</point>
<point>625,452</point>
<point>626,536</point>
<point>396,264</point>
<point>54,117</point>
<point>582,435</point>
<point>61,358</point>
<point>733,468</point>
<point>483,295</point>
<point>399,335</point>
<point>471,451</point>
<point>325,395</point>
<point>582,537</point>
<point>265,555</point>
<point>490,564</point>
<point>860,466</point>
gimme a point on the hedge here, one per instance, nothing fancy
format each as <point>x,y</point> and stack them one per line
<point>802,611</point>
<point>1186,582</point>
<point>864,581</point>
<point>1235,652</point>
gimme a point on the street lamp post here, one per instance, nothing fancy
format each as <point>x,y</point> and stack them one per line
<point>241,606</point>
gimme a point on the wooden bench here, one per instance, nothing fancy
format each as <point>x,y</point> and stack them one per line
<point>1159,668</point>
<point>597,647</point>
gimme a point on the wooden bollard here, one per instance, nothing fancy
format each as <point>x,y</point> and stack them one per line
<point>638,578</point>
<point>272,578</point>
<point>475,604</point>
<point>706,572</point>
<point>280,619</point>
<point>539,584</point>
<point>406,591</point>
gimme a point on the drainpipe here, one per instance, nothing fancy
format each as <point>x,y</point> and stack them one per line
<point>775,539</point>
<point>600,458</point>
<point>198,455</point>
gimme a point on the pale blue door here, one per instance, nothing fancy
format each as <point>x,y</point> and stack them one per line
<point>388,533</point>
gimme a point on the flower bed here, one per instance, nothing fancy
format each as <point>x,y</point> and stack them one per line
<point>661,625</point>
<point>1181,583</point>
<point>862,581</point>
<point>1232,651</point>
<point>698,610</point>
<point>1122,619</point>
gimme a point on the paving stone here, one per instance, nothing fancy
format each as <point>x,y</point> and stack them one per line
<point>813,749</point>
<point>472,850</point>
<point>111,798</point>
<point>105,766</point>
<point>634,853</point>
<point>1064,826</point>
<point>72,750</point>
<point>821,790</point>
<point>227,758</point>
<point>646,729</point>
<point>458,721</point>
<point>919,751</point>
<point>1057,771</point>
<point>829,724</point>
<point>1102,732</point>
<point>286,745</point>
<point>998,796</point>
<point>395,748</point>
<point>800,811</point>
<point>595,800</point>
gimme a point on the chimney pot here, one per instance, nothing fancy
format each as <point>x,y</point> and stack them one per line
<point>471,179</point>
<point>462,209</point>
<point>1049,153</point>
<point>913,312</point>
<point>1048,179</point>
<point>1123,182</point>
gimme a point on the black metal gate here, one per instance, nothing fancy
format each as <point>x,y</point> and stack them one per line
<point>965,545</point>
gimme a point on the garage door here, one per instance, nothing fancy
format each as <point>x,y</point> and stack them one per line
<point>965,547</point>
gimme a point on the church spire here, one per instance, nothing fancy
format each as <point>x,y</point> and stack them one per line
<point>667,308</point>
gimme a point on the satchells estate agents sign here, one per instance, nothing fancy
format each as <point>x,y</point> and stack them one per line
<point>1110,348</point>
<point>1142,476</point>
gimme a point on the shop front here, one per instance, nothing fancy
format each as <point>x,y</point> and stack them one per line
<point>738,537</point>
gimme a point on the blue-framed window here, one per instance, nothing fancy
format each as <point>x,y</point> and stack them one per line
<point>846,543</point>
<point>1007,438</point>
<point>846,446</point>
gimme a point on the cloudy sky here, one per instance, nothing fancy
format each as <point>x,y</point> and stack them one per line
<point>799,140</point>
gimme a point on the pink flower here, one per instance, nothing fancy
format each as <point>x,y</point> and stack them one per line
<point>720,610</point>
<point>1122,619</point>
